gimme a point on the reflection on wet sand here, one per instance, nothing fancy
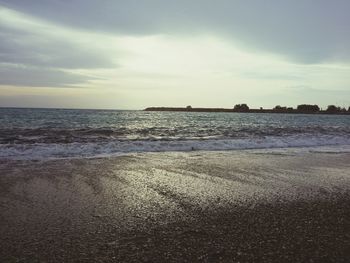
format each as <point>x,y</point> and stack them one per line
<point>199,206</point>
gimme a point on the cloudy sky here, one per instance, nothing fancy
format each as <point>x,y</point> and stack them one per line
<point>132,54</point>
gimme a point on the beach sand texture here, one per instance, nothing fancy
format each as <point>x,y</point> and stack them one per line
<point>239,206</point>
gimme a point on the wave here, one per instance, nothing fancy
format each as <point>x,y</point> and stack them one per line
<point>37,151</point>
<point>104,135</point>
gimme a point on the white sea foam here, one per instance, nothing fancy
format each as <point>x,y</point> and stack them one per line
<point>113,148</point>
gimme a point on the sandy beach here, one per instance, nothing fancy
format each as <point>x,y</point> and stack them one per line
<point>238,206</point>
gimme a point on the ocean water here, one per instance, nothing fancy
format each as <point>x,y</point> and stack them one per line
<point>63,133</point>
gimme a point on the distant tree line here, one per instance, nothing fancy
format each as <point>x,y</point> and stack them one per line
<point>335,109</point>
<point>308,108</point>
<point>279,108</point>
<point>243,107</point>
<point>302,108</point>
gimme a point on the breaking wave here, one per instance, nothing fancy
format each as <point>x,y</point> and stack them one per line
<point>113,148</point>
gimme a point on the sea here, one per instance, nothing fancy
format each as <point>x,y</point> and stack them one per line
<point>35,134</point>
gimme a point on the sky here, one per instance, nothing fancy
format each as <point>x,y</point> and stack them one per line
<point>114,54</point>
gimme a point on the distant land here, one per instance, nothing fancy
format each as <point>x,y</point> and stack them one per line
<point>301,109</point>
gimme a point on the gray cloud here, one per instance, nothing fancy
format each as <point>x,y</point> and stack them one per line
<point>23,48</point>
<point>305,31</point>
<point>37,77</point>
<point>29,57</point>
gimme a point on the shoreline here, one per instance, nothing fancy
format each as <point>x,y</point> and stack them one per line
<point>176,206</point>
<point>292,150</point>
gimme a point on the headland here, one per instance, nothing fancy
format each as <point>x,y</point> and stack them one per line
<point>300,109</point>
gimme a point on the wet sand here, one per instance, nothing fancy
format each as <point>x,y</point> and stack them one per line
<point>240,206</point>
